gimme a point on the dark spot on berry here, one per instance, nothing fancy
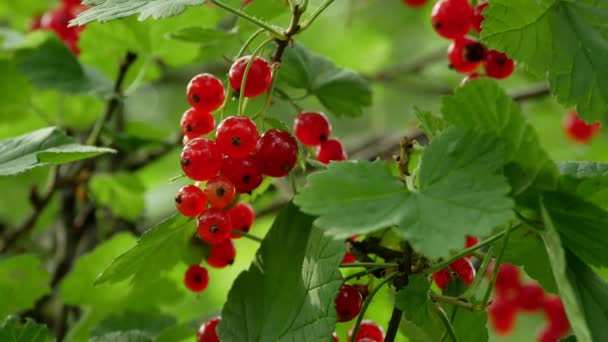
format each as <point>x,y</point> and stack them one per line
<point>501,61</point>
<point>286,167</point>
<point>236,141</point>
<point>188,128</point>
<point>178,199</point>
<point>186,161</point>
<point>323,137</point>
<point>220,191</point>
<point>246,229</point>
<point>246,179</point>
<point>231,261</point>
<point>437,25</point>
<point>214,228</point>
<point>196,98</point>
<point>474,52</point>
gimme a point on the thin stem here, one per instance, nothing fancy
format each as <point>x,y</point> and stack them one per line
<point>454,301</point>
<point>486,297</point>
<point>361,274</point>
<point>262,111</point>
<point>247,235</point>
<point>246,74</point>
<point>370,264</point>
<point>446,322</point>
<point>393,324</point>
<point>368,300</point>
<point>284,96</point>
<point>273,31</point>
<point>315,14</point>
<point>470,292</point>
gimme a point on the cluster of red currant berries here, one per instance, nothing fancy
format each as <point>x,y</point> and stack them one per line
<point>348,306</point>
<point>312,129</point>
<point>513,296</point>
<point>463,268</point>
<point>58,19</point>
<point>577,130</point>
<point>454,19</point>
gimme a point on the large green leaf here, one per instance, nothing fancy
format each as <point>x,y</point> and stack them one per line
<point>484,107</point>
<point>124,336</point>
<point>22,282</point>
<point>341,91</point>
<point>47,146</point>
<point>421,320</point>
<point>15,92</point>
<point>288,292</point>
<point>150,323</point>
<point>12,330</point>
<point>588,180</point>
<point>122,192</point>
<point>431,125</point>
<point>105,10</point>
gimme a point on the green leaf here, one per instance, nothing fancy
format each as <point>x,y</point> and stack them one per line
<point>124,336</point>
<point>123,193</point>
<point>201,35</point>
<point>150,323</point>
<point>47,146</point>
<point>276,123</point>
<point>22,282</point>
<point>422,320</point>
<point>15,92</point>
<point>354,198</point>
<point>296,278</point>
<point>469,325</point>
<point>341,91</point>
<point>484,107</point>
<point>430,124</point>
<point>144,261</point>
<point>105,10</point>
<point>587,180</point>
<point>12,330</point>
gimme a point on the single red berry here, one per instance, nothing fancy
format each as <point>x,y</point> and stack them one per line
<point>530,297</point>
<point>442,278</point>
<point>222,254</point>
<point>196,122</point>
<point>470,242</point>
<point>259,77</point>
<point>236,136</point>
<point>549,334</point>
<point>331,150</point>
<point>368,332</point>
<point>205,92</point>
<point>415,3</point>
<point>242,217</point>
<point>208,331</point>
<point>348,258</point>
<point>464,269</point>
<point>213,226</point>
<point>190,200</point>
<point>71,3</point>
<point>311,128</point>
<point>243,173</point>
<point>577,130</point>
<point>470,77</point>
<point>72,44</point>
<point>276,153</point>
<point>502,313</point>
<point>498,65</point>
<point>57,21</point>
<point>186,140</point>
<point>556,314</point>
<point>335,337</point>
<point>219,191</point>
<point>196,278</point>
<point>363,290</point>
<point>466,54</point>
<point>348,303</point>
<point>452,18</point>
<point>507,281</point>
<point>478,16</point>
<point>201,159</point>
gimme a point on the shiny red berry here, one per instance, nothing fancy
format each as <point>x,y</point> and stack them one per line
<point>470,242</point>
<point>577,130</point>
<point>478,16</point>
<point>508,280</point>
<point>348,258</point>
<point>71,3</point>
<point>242,217</point>
<point>556,314</point>
<point>259,77</point>
<point>464,269</point>
<point>502,313</point>
<point>196,278</point>
<point>331,150</point>
<point>205,92</point>
<point>348,303</point>
<point>190,200</point>
<point>195,123</point>
<point>201,159</point>
<point>335,337</point>
<point>452,18</point>
<point>466,54</point>
<point>219,192</point>
<point>236,136</point>
<point>243,173</point>
<point>213,226</point>
<point>530,297</point>
<point>276,153</point>
<point>469,77</point>
<point>415,3</point>
<point>549,334</point>
<point>311,128</point>
<point>442,278</point>
<point>208,331</point>
<point>222,254</point>
<point>58,20</point>
<point>498,65</point>
<point>368,332</point>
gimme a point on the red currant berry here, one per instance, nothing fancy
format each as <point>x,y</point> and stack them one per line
<point>466,54</point>
<point>196,122</point>
<point>363,290</point>
<point>276,153</point>
<point>478,16</point>
<point>205,92</point>
<point>242,217</point>
<point>471,241</point>
<point>577,130</point>
<point>331,150</point>
<point>498,65</point>
<point>556,314</point>
<point>259,77</point>
<point>464,269</point>
<point>58,20</point>
<point>502,314</point>
<point>415,3</point>
<point>213,226</point>
<point>196,278</point>
<point>469,77</point>
<point>236,136</point>
<point>442,278</point>
<point>186,140</point>
<point>348,258</point>
<point>452,18</point>
<point>368,332</point>
<point>71,3</point>
<point>222,254</point>
<point>335,337</point>
<point>208,331</point>
<point>35,23</point>
<point>348,303</point>
<point>243,173</point>
<point>201,159</point>
<point>507,281</point>
<point>190,200</point>
<point>530,297</point>
<point>311,128</point>
<point>549,334</point>
<point>219,192</point>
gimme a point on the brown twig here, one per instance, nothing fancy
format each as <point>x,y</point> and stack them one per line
<point>533,92</point>
<point>294,27</point>
<point>411,67</point>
